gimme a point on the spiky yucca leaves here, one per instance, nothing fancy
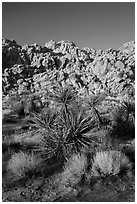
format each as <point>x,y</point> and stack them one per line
<point>79,128</point>
<point>71,129</point>
<point>63,97</point>
<point>45,120</point>
<point>92,102</point>
<point>123,121</point>
<point>55,144</point>
<point>124,110</point>
<point>64,134</point>
<point>70,135</point>
<point>130,107</point>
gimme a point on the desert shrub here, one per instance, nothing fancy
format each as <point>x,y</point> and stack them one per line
<point>65,132</point>
<point>63,96</point>
<point>64,181</point>
<point>129,104</point>
<point>44,119</point>
<point>74,168</point>
<point>92,103</point>
<point>123,121</point>
<point>21,164</point>
<point>110,162</point>
<point>25,103</point>
<point>79,129</point>
<point>51,143</point>
<point>106,142</point>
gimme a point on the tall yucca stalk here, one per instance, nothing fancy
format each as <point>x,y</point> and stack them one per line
<point>64,98</point>
<point>92,103</point>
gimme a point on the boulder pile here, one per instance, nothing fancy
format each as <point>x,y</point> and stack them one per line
<point>35,68</point>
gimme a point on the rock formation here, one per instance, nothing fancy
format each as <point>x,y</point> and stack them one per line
<point>35,68</point>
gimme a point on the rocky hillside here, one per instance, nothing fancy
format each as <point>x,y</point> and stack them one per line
<point>35,68</point>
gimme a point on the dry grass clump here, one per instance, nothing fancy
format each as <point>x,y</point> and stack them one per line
<point>109,162</point>
<point>22,164</point>
<point>73,170</point>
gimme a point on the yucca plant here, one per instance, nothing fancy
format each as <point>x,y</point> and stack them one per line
<point>65,134</point>
<point>54,144</point>
<point>68,128</point>
<point>92,102</point>
<point>130,107</point>
<point>79,129</point>
<point>45,120</point>
<point>124,110</point>
<point>123,122</point>
<point>63,97</point>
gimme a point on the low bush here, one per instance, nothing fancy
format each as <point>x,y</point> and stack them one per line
<point>109,162</point>
<point>74,168</point>
<point>21,164</point>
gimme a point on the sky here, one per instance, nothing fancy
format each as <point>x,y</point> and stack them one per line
<point>99,25</point>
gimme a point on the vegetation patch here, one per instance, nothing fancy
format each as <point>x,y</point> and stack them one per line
<point>68,130</point>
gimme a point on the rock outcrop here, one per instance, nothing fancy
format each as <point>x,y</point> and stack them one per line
<point>35,68</point>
